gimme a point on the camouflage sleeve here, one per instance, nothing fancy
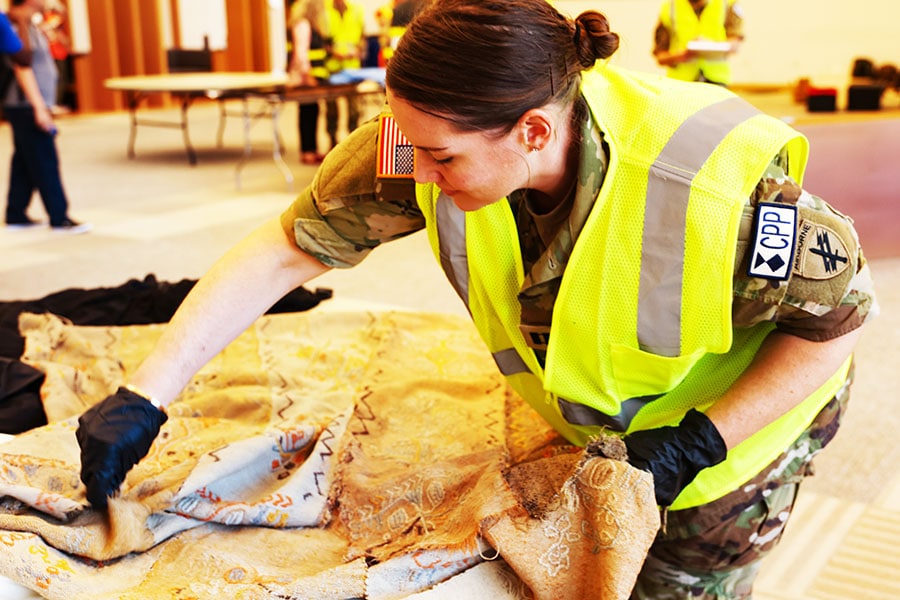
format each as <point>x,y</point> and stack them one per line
<point>347,211</point>
<point>829,291</point>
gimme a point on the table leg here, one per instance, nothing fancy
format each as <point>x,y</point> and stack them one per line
<point>185,104</point>
<point>220,132</point>
<point>248,147</point>
<point>276,144</point>
<point>134,99</point>
<point>273,102</point>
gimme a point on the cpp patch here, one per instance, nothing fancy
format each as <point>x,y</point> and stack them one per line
<point>774,238</point>
<point>821,253</point>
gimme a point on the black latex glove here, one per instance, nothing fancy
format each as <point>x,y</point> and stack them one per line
<point>674,455</point>
<point>114,435</point>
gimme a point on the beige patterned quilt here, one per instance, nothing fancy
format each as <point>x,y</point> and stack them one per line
<point>323,454</point>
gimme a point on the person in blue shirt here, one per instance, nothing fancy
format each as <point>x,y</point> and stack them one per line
<point>9,41</point>
<point>20,69</point>
<point>35,161</point>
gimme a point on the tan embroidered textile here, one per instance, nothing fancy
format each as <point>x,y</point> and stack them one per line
<point>323,454</point>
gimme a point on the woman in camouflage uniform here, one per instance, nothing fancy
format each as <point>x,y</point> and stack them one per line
<point>522,145</point>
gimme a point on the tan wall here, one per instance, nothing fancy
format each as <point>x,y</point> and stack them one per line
<point>127,38</point>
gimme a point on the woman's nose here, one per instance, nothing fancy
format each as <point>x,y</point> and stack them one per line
<point>425,168</point>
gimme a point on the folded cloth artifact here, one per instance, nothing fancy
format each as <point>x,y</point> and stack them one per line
<point>321,455</point>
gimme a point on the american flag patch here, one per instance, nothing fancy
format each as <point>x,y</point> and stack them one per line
<point>395,153</point>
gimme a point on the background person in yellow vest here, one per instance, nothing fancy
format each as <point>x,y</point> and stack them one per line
<point>383,15</point>
<point>612,296</point>
<point>396,18</point>
<point>307,34</point>
<point>688,22</point>
<point>346,47</point>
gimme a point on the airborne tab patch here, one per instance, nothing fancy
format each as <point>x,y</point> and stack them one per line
<point>395,153</point>
<point>774,238</point>
<point>821,253</point>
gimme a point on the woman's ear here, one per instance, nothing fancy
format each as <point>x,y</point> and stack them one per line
<point>536,129</point>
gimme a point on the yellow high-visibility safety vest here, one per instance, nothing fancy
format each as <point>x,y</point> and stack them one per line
<point>346,34</point>
<point>317,58</point>
<point>641,328</point>
<point>684,25</point>
<point>316,53</point>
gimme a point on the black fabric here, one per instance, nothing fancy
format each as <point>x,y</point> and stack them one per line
<point>674,455</point>
<point>114,435</point>
<point>20,397</point>
<point>136,302</point>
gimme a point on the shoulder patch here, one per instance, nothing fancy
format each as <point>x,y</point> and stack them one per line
<point>774,238</point>
<point>821,253</point>
<point>396,157</point>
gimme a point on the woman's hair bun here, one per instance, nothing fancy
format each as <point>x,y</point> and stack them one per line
<point>593,39</point>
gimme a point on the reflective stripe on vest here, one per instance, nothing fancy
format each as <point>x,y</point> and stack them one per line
<point>455,263</point>
<point>317,66</point>
<point>668,191</point>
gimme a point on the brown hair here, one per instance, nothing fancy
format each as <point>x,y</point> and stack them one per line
<point>483,63</point>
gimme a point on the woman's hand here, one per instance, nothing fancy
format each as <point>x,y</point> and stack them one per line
<point>114,435</point>
<point>675,455</point>
<point>43,118</point>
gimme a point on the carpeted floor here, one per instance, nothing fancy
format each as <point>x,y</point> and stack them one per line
<point>157,214</point>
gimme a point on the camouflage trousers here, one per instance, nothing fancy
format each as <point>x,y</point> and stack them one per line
<point>714,551</point>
